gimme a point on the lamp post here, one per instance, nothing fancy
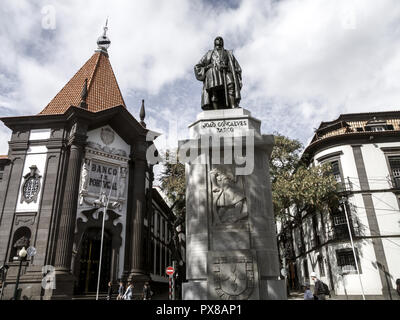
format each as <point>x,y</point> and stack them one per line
<point>22,257</point>
<point>3,270</point>
<point>103,201</point>
<point>344,200</point>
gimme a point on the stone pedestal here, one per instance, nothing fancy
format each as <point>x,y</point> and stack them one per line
<point>230,229</point>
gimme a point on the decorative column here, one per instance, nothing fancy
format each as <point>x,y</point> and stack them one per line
<point>67,222</point>
<point>134,253</point>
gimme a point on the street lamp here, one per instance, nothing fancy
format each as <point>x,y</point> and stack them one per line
<point>104,202</point>
<point>22,257</point>
<point>344,201</point>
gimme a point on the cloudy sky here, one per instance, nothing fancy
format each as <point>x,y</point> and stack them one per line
<point>303,61</point>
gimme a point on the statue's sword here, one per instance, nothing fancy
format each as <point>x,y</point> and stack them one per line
<point>225,87</point>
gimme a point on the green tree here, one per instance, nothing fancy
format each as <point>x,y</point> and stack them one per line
<point>173,184</point>
<point>298,186</point>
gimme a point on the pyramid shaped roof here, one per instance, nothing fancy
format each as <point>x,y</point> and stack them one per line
<point>102,88</point>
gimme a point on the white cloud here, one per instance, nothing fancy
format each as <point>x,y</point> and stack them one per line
<point>303,61</point>
<point>5,135</point>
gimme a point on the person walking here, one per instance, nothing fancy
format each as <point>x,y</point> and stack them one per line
<point>121,290</point>
<point>308,295</point>
<point>128,295</point>
<point>319,290</point>
<point>398,286</point>
<point>109,291</point>
<point>147,293</point>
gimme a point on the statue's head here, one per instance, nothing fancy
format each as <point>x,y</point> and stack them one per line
<point>218,43</point>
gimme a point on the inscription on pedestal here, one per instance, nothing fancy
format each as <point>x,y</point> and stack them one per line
<point>224,126</point>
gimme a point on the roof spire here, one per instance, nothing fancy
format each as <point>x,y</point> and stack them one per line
<point>142,115</point>
<point>103,42</point>
<point>84,95</point>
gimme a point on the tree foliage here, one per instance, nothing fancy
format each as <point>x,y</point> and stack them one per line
<point>297,185</point>
<point>173,184</point>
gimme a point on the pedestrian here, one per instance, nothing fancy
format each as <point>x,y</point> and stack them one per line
<point>308,295</point>
<point>109,291</point>
<point>147,293</point>
<point>121,291</point>
<point>128,295</point>
<point>319,290</point>
<point>398,286</point>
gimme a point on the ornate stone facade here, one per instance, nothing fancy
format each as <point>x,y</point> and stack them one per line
<point>60,163</point>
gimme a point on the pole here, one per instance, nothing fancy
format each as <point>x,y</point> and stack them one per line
<point>17,282</point>
<point>102,238</point>
<point>170,287</point>
<point>387,282</point>
<point>3,281</point>
<point>173,279</point>
<point>352,245</point>
<point>344,285</point>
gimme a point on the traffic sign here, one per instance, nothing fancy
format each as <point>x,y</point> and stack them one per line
<point>31,251</point>
<point>170,271</point>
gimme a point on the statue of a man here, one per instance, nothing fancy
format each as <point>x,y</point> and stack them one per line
<point>222,78</point>
<point>85,175</point>
<point>122,183</point>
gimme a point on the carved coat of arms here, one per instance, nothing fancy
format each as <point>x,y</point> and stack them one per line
<point>107,135</point>
<point>234,277</point>
<point>31,185</point>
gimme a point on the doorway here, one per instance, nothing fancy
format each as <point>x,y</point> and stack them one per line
<point>89,262</point>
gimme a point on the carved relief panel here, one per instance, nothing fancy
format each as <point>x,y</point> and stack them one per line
<point>228,196</point>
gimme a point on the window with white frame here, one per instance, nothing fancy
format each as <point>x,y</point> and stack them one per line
<point>394,162</point>
<point>377,128</point>
<point>345,260</point>
<point>336,170</point>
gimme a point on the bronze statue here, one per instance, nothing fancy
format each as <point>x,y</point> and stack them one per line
<point>222,78</point>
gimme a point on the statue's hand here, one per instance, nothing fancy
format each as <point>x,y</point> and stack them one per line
<point>223,66</point>
<point>216,190</point>
<point>209,66</point>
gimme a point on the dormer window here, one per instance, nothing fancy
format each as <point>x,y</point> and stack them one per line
<point>378,125</point>
<point>377,128</point>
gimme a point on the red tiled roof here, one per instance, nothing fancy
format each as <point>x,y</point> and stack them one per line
<point>103,89</point>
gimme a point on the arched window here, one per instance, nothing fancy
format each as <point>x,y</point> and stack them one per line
<point>22,237</point>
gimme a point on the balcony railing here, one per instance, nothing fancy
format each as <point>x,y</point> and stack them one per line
<point>341,232</point>
<point>345,186</point>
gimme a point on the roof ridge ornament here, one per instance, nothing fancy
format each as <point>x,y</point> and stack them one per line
<point>103,42</point>
<point>142,115</point>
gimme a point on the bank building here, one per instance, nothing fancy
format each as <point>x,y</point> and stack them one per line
<point>82,153</point>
